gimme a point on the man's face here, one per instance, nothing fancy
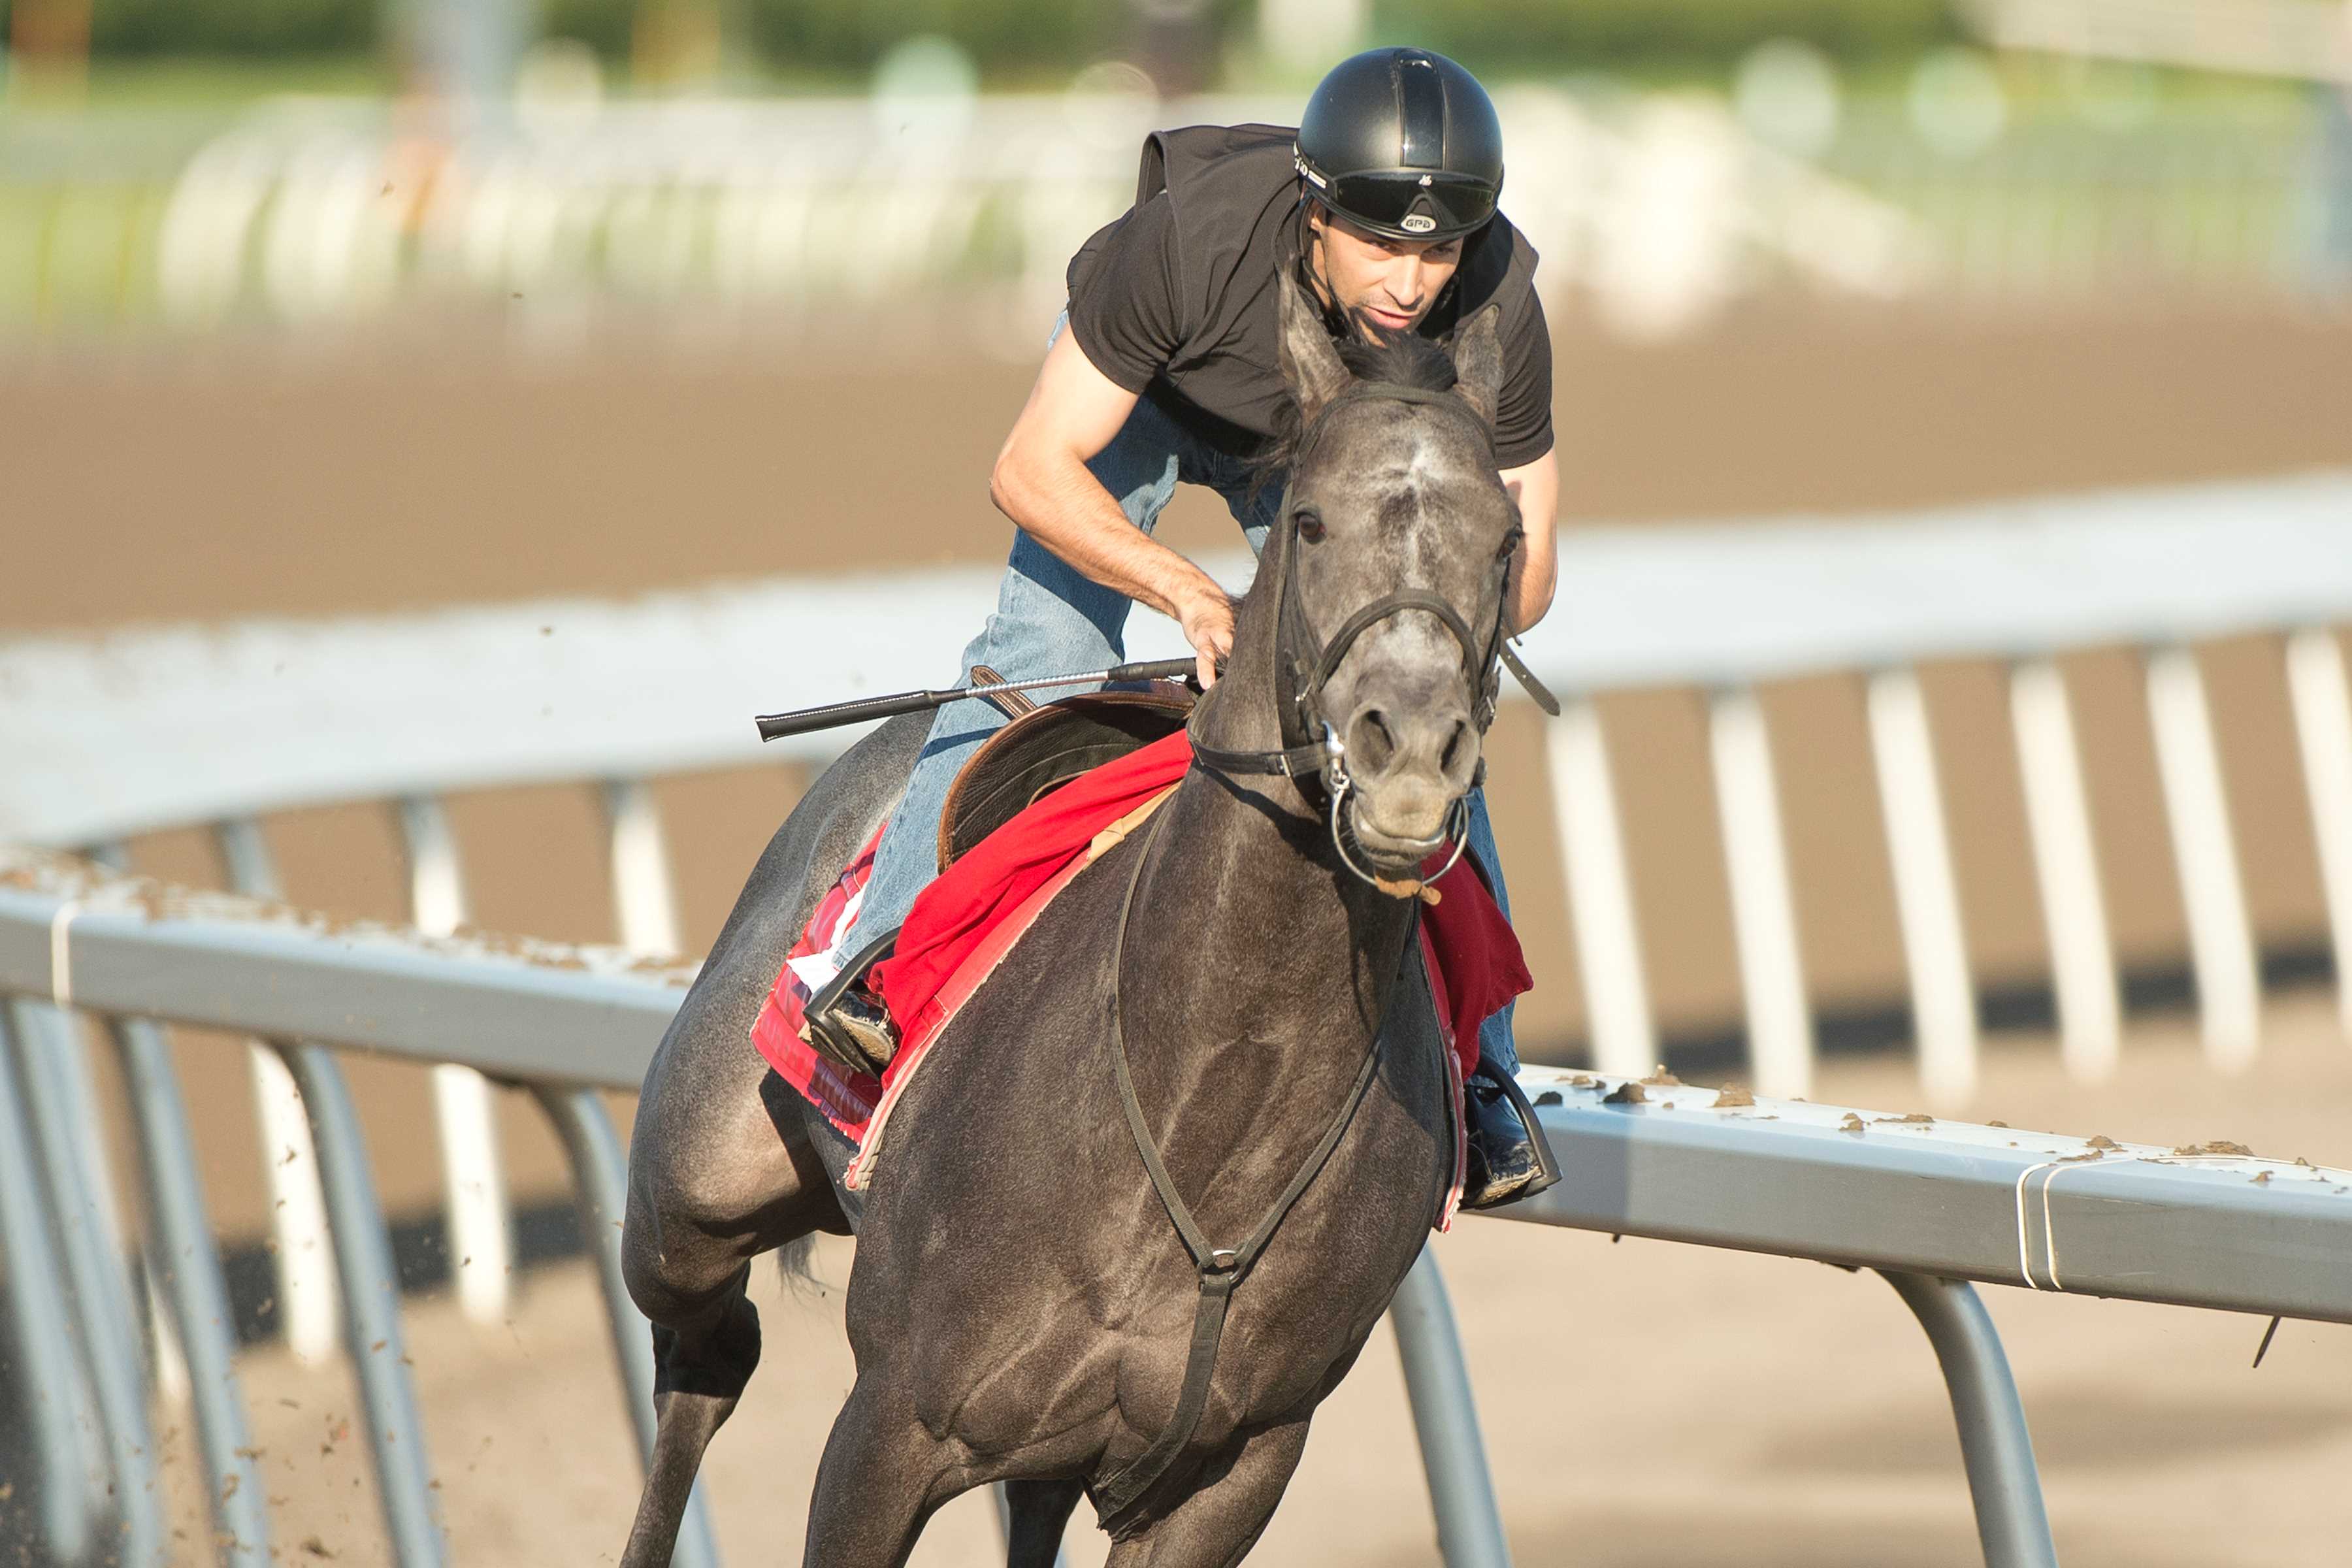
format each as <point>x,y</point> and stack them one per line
<point>1379,282</point>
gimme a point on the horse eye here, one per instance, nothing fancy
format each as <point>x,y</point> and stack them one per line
<point>1511,541</point>
<point>1310,526</point>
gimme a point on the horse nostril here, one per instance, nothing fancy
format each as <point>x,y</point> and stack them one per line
<point>1374,744</point>
<point>1454,744</point>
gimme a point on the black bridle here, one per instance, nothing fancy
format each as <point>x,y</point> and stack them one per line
<point>1312,753</point>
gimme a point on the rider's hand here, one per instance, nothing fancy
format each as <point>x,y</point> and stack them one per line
<point>1207,618</point>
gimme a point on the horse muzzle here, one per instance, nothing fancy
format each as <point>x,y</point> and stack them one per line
<point>1409,771</point>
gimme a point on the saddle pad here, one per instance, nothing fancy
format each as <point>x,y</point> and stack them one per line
<point>966,922</point>
<point>847,1099</point>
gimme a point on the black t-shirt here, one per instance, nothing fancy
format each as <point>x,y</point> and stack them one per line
<point>1176,301</point>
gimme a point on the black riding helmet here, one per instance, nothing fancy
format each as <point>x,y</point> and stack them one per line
<point>1403,142</point>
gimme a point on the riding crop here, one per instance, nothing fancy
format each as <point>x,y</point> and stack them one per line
<point>775,726</point>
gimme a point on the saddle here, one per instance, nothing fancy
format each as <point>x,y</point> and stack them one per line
<point>1044,748</point>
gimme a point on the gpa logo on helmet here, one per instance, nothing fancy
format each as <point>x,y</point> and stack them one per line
<point>1418,223</point>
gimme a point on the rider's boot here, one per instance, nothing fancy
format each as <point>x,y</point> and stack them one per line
<point>1505,1160</point>
<point>847,1022</point>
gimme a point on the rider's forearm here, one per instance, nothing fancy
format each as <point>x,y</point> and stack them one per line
<point>1535,568</point>
<point>1056,501</point>
<point>1535,578</point>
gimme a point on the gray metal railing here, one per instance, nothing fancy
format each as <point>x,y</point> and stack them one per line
<point>1673,1163</point>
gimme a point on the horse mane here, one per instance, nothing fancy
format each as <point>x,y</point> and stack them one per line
<point>1407,359</point>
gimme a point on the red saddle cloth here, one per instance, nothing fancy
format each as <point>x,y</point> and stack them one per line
<point>966,922</point>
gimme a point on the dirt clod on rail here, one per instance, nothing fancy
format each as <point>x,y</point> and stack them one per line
<point>1731,1097</point>
<point>2217,1146</point>
<point>1626,1093</point>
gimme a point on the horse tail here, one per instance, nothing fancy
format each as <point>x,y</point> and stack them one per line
<point>795,1261</point>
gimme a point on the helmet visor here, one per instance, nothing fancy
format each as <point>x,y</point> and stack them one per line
<point>1414,205</point>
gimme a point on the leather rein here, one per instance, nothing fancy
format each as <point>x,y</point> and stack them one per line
<point>1312,751</point>
<point>1123,1499</point>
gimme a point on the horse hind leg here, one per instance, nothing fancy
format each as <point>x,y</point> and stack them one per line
<point>1041,1513</point>
<point>714,1181</point>
<point>698,1376</point>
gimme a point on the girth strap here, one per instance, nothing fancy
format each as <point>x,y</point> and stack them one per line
<point>1122,1501</point>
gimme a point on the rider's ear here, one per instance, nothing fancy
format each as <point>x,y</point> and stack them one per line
<point>1478,363</point>
<point>1309,364</point>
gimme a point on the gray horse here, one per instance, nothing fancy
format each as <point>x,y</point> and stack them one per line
<point>1023,1307</point>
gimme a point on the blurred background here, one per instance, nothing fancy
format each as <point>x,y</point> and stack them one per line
<point>315,307</point>
<point>559,165</point>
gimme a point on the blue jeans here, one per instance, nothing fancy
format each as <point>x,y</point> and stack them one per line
<point>1050,619</point>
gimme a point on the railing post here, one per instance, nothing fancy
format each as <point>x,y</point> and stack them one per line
<point>600,1185</point>
<point>2323,729</point>
<point>1926,896</point>
<point>643,896</point>
<point>57,1092</point>
<point>1763,911</point>
<point>189,1279</point>
<point>186,1294</point>
<point>1445,1417</point>
<point>2221,940</point>
<point>481,1247</point>
<point>2003,1482</point>
<point>1599,891</point>
<point>2066,870</point>
<point>308,1306</point>
<point>60,1418</point>
<point>371,1330</point>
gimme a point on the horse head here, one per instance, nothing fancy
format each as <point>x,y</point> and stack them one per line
<point>1390,561</point>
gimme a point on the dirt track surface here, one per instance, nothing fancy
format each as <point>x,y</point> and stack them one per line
<point>1645,1404</point>
<point>422,471</point>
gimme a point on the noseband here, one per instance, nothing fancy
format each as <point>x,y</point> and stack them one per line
<point>1312,750</point>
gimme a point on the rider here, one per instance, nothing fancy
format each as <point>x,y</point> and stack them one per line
<point>1381,202</point>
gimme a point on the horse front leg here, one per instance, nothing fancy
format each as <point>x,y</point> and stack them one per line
<point>1228,1509</point>
<point>882,1478</point>
<point>1041,1513</point>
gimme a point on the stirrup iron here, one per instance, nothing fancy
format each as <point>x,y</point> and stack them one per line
<point>821,1025</point>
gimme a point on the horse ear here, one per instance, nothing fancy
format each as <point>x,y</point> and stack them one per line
<point>1478,363</point>
<point>1309,364</point>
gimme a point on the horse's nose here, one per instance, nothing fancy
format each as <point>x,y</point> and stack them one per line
<point>1378,742</point>
<point>1411,762</point>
